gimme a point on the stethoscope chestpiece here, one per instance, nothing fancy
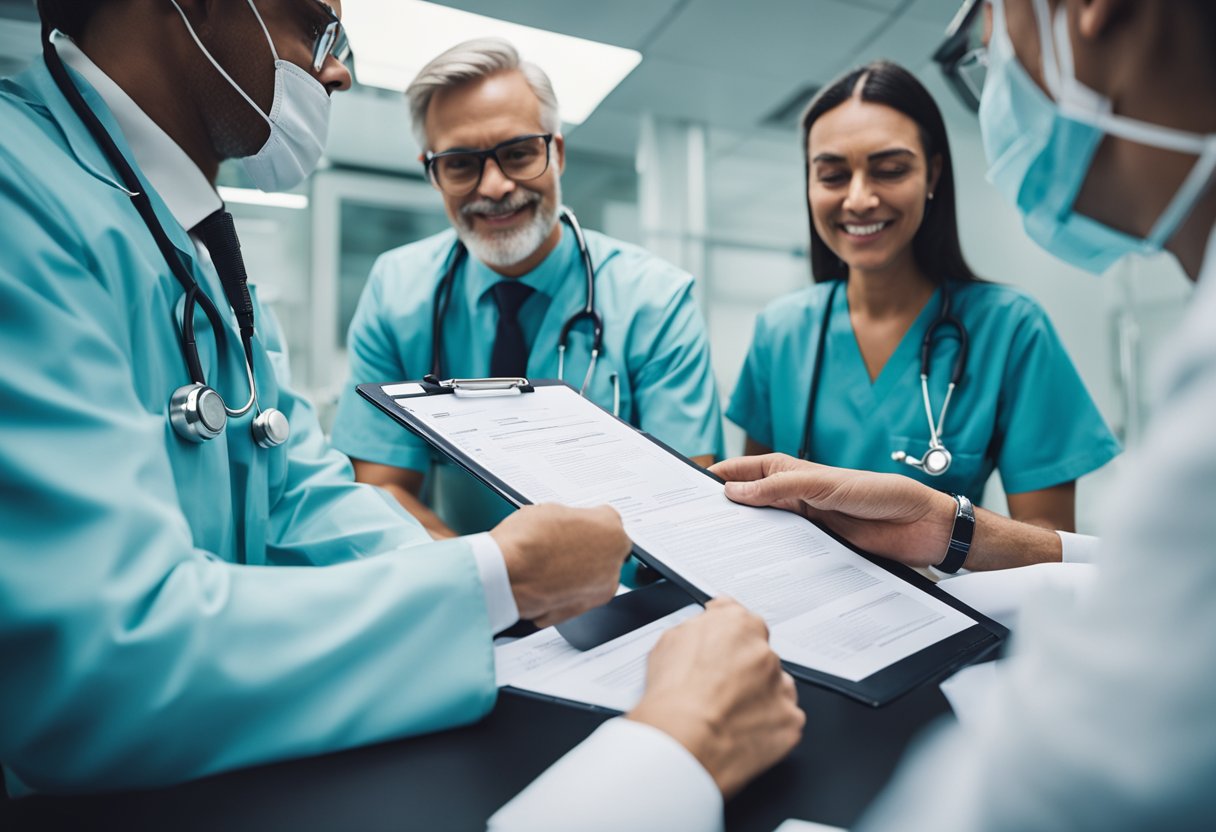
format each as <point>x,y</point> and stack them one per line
<point>271,428</point>
<point>935,462</point>
<point>197,413</point>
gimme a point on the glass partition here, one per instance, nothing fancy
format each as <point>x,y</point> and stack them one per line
<point>356,217</point>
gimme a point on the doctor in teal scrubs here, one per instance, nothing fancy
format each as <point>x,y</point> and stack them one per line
<point>170,608</point>
<point>886,259</point>
<point>495,153</point>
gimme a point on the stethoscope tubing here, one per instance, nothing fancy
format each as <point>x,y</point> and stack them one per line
<point>443,298</point>
<point>143,205</point>
<point>945,318</point>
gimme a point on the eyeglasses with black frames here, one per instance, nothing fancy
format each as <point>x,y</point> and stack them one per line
<point>963,55</point>
<point>458,172</point>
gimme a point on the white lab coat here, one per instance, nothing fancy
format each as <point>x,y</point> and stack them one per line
<point>1104,717</point>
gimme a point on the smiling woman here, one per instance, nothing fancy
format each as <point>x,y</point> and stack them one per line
<point>900,359</point>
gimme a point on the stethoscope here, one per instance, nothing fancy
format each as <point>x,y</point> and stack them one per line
<point>196,410</point>
<point>936,460</point>
<point>443,299</point>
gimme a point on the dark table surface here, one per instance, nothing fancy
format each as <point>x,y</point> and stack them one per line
<point>456,779</point>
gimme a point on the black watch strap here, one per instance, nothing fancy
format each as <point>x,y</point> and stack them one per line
<point>960,537</point>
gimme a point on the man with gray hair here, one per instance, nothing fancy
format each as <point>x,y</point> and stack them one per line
<point>176,606</point>
<point>537,297</point>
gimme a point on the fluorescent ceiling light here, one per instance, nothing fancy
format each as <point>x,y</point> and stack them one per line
<point>393,39</point>
<point>249,196</point>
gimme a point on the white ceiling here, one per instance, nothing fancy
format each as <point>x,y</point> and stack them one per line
<point>727,64</point>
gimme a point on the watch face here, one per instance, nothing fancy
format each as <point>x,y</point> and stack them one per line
<point>937,461</point>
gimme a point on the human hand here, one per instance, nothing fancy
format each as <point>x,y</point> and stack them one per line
<point>562,561</point>
<point>886,514</point>
<point>714,684</point>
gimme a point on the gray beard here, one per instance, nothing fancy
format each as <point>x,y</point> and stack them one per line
<point>510,247</point>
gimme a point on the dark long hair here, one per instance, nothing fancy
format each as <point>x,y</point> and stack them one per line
<point>935,246</point>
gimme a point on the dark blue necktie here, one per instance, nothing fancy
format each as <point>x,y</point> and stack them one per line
<point>510,356</point>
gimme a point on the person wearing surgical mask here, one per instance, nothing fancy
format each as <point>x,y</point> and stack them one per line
<point>1099,124</point>
<point>298,116</point>
<point>190,584</point>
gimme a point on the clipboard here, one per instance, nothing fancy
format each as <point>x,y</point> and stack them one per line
<point>978,642</point>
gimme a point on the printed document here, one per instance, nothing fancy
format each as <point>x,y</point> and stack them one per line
<point>827,608</point>
<point>612,675</point>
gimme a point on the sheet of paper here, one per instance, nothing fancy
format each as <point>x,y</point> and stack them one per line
<point>612,675</point>
<point>517,657</point>
<point>827,608</point>
<point>806,826</point>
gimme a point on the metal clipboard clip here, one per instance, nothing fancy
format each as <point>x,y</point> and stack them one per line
<point>472,388</point>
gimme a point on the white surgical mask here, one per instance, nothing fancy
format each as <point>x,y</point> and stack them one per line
<point>299,119</point>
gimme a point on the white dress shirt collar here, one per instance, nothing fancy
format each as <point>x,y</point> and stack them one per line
<point>174,176</point>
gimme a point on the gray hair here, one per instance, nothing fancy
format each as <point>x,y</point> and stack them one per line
<point>469,61</point>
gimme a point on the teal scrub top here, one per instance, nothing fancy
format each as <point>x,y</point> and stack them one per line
<point>654,344</point>
<point>168,609</point>
<point>1021,408</point>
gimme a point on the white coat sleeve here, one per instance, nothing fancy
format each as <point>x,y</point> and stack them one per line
<point>1102,718</point>
<point>495,582</point>
<point>1079,548</point>
<point>626,775</point>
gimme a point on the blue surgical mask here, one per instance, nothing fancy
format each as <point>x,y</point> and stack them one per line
<point>1039,150</point>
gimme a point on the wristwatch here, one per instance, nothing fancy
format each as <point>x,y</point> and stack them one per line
<point>960,537</point>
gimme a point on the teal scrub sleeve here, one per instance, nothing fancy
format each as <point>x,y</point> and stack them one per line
<point>134,659</point>
<point>360,430</point>
<point>674,390</point>
<point>317,515</point>
<point>1048,428</point>
<point>751,403</point>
